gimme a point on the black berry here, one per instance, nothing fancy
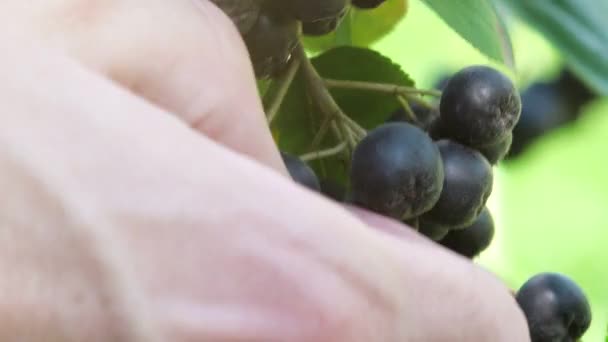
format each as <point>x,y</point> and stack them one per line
<point>333,190</point>
<point>270,43</point>
<point>323,26</point>
<point>496,152</point>
<point>396,171</point>
<point>367,4</point>
<point>555,307</point>
<point>301,172</point>
<point>479,106</point>
<point>432,230</point>
<point>467,184</point>
<point>313,10</point>
<point>472,240</point>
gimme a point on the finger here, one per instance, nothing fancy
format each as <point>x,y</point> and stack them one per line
<point>211,252</point>
<point>185,56</point>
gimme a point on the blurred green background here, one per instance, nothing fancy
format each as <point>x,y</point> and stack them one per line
<point>550,204</point>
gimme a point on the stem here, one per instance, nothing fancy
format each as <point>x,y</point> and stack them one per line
<point>283,86</point>
<point>325,125</point>
<point>324,153</point>
<point>320,95</point>
<point>408,109</point>
<point>380,87</point>
<point>419,101</point>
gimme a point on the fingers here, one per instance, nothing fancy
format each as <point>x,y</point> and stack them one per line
<point>182,55</point>
<point>234,249</point>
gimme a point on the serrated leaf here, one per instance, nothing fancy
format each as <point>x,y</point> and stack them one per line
<point>299,120</point>
<point>365,27</point>
<point>578,28</point>
<point>478,22</point>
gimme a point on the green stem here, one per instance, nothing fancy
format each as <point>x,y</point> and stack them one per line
<point>321,96</point>
<point>408,109</point>
<point>324,153</point>
<point>380,87</point>
<point>283,84</point>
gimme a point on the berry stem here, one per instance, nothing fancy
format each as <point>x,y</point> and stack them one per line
<point>380,87</point>
<point>321,96</point>
<point>324,153</point>
<point>282,84</point>
<point>408,109</point>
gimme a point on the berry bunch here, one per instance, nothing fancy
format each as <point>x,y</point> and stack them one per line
<point>428,166</point>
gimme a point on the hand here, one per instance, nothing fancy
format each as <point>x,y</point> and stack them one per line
<point>145,200</point>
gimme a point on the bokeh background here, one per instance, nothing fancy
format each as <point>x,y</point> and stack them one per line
<point>550,204</point>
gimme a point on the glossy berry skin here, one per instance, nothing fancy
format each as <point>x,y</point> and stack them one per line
<point>396,171</point>
<point>301,172</point>
<point>555,307</point>
<point>472,240</point>
<point>323,26</point>
<point>498,151</point>
<point>467,184</point>
<point>270,43</point>
<point>479,106</point>
<point>367,4</point>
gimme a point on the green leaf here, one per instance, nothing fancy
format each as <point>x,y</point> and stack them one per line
<point>364,27</point>
<point>299,120</point>
<point>578,28</point>
<point>478,22</point>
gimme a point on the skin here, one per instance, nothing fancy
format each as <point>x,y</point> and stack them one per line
<point>145,200</point>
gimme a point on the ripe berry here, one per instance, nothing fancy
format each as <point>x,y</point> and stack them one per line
<point>333,190</point>
<point>396,171</point>
<point>367,4</point>
<point>323,26</point>
<point>497,152</point>
<point>555,307</point>
<point>479,106</point>
<point>467,185</point>
<point>472,240</point>
<point>301,172</point>
<point>313,10</point>
<point>432,230</point>
<point>270,43</point>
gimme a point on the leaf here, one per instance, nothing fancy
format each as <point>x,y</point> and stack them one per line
<point>365,27</point>
<point>578,28</point>
<point>299,120</point>
<point>478,22</point>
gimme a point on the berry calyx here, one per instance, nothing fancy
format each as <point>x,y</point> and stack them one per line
<point>479,106</point>
<point>498,151</point>
<point>396,171</point>
<point>555,307</point>
<point>323,26</point>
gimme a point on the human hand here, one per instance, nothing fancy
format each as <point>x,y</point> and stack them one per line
<point>145,202</point>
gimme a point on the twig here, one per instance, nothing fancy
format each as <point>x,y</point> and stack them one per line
<point>324,153</point>
<point>283,84</point>
<point>380,87</point>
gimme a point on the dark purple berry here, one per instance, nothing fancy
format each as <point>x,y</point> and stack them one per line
<point>479,106</point>
<point>472,240</point>
<point>467,184</point>
<point>367,4</point>
<point>496,152</point>
<point>555,307</point>
<point>396,171</point>
<point>301,172</point>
